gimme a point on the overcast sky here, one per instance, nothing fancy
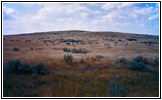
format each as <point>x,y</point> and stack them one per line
<point>141,18</point>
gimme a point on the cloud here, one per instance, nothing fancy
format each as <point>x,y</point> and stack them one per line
<point>110,6</point>
<point>8,10</point>
<point>50,17</point>
<point>126,11</point>
<point>9,13</point>
<point>126,17</point>
<point>154,17</point>
<point>84,14</point>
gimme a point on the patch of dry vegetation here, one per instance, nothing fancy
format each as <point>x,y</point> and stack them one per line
<point>100,72</point>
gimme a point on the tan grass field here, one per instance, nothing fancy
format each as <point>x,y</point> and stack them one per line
<point>67,80</point>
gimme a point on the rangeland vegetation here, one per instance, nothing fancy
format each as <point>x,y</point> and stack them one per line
<point>88,64</point>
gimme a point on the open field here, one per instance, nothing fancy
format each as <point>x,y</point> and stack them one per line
<point>99,59</point>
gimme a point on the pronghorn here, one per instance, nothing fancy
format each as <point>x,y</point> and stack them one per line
<point>126,43</point>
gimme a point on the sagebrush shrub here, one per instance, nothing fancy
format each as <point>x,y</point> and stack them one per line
<point>12,66</point>
<point>151,69</point>
<point>15,49</point>
<point>157,61</point>
<point>16,67</point>
<point>68,58</point>
<point>122,60</point>
<point>115,90</point>
<point>66,50</point>
<point>81,50</point>
<point>40,69</point>
<point>140,59</point>
<point>137,66</point>
<point>24,68</point>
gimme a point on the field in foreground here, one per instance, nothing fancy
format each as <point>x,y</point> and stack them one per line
<point>81,64</point>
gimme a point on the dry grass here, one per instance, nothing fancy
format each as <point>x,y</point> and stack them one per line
<point>68,80</point>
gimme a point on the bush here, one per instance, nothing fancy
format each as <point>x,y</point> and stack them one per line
<point>131,39</point>
<point>140,59</point>
<point>115,90</point>
<point>157,61</point>
<point>12,66</point>
<point>15,49</point>
<point>24,68</point>
<point>139,66</point>
<point>79,51</point>
<point>122,60</point>
<point>15,67</point>
<point>66,50</point>
<point>151,69</point>
<point>68,58</point>
<point>40,69</point>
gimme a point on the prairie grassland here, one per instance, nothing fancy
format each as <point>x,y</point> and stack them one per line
<point>86,75</point>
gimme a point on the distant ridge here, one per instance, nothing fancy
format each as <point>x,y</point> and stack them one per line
<point>78,31</point>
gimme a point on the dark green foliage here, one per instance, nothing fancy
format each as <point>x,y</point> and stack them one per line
<point>68,58</point>
<point>148,42</point>
<point>151,69</point>
<point>24,68</point>
<point>157,61</point>
<point>115,90</point>
<point>131,39</point>
<point>140,59</point>
<point>69,40</point>
<point>15,49</point>
<point>137,66</point>
<point>66,50</point>
<point>12,66</point>
<point>81,50</point>
<point>40,69</point>
<point>141,64</point>
<point>122,60</point>
<point>15,67</point>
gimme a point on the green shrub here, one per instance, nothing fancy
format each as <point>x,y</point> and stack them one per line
<point>24,68</point>
<point>157,61</point>
<point>151,69</point>
<point>66,50</point>
<point>140,59</point>
<point>122,60</point>
<point>137,66</point>
<point>12,66</point>
<point>15,67</point>
<point>40,69</point>
<point>115,90</point>
<point>68,58</point>
<point>15,49</point>
<point>81,50</point>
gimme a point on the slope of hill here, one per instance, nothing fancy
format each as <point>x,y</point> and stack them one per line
<point>97,58</point>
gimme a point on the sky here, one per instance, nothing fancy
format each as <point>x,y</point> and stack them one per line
<point>139,18</point>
